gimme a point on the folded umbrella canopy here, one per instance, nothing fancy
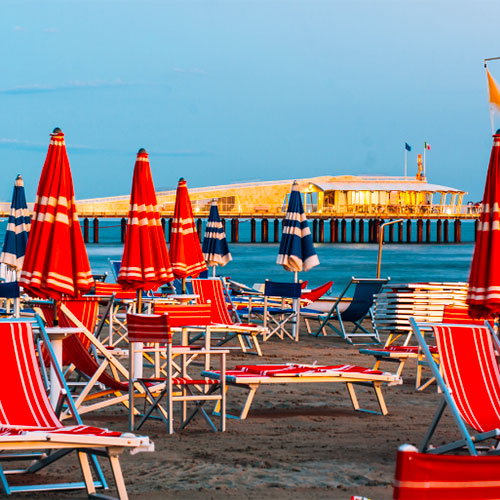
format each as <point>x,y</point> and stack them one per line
<point>18,227</point>
<point>484,279</point>
<point>215,248</point>
<point>145,262</point>
<point>296,251</point>
<point>56,261</point>
<point>185,249</point>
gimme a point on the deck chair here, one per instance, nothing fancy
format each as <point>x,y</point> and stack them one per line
<point>251,377</point>
<point>354,311</point>
<point>469,379</point>
<point>445,477</point>
<point>408,348</point>
<point>30,430</point>
<point>115,267</point>
<point>213,290</point>
<point>156,330</point>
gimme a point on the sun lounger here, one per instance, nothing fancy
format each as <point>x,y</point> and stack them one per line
<point>31,431</point>
<point>469,379</point>
<point>251,377</point>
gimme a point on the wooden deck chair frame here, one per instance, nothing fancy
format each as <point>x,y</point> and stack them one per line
<point>486,345</point>
<point>46,440</point>
<point>215,291</point>
<point>355,312</point>
<point>155,331</point>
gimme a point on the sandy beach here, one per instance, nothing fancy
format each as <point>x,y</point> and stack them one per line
<point>298,442</point>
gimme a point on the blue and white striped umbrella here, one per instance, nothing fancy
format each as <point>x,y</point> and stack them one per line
<point>18,227</point>
<point>215,248</point>
<point>296,251</point>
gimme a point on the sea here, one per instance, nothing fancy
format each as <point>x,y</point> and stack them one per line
<point>254,262</point>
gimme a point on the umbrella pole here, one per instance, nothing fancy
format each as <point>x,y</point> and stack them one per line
<point>183,285</point>
<point>295,325</point>
<point>138,372</point>
<point>56,318</point>
<point>213,270</point>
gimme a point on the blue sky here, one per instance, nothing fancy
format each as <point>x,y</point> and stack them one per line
<point>223,91</point>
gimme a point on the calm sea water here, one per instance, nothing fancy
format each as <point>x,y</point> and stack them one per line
<point>252,263</point>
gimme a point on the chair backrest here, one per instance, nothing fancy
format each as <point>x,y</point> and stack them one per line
<point>459,314</point>
<point>149,328</point>
<point>280,289</point>
<point>24,402</point>
<point>108,289</point>
<point>470,371</point>
<point>115,267</point>
<point>363,297</point>
<point>180,316</point>
<point>211,290</point>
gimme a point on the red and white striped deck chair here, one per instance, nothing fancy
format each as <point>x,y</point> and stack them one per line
<point>122,302</point>
<point>409,349</point>
<point>212,290</point>
<point>422,476</point>
<point>469,378</point>
<point>31,431</point>
<point>155,330</point>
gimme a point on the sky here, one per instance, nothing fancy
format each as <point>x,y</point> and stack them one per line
<point>226,91</point>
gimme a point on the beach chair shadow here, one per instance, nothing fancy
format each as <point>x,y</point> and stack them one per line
<point>31,431</point>
<point>353,311</point>
<point>469,379</point>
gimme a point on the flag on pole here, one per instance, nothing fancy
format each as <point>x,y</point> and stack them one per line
<point>407,147</point>
<point>427,146</point>
<point>494,93</point>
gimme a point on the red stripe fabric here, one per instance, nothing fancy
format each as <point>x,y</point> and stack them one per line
<point>185,249</point>
<point>210,290</point>
<point>108,289</point>
<point>276,370</point>
<point>470,370</point>
<point>145,261</point>
<point>459,315</point>
<point>421,476</point>
<point>23,401</point>
<point>180,316</point>
<point>148,328</point>
<point>56,261</point>
<point>484,279</point>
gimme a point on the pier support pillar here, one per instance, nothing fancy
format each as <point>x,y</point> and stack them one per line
<point>361,231</point>
<point>391,233</point>
<point>86,230</point>
<point>264,230</point>
<point>253,226</point>
<point>420,230</point>
<point>333,234</point>
<point>439,230</point>
<point>321,231</point>
<point>343,231</point>
<point>428,231</point>
<point>408,231</point>
<point>400,232</point>
<point>96,230</point>
<point>276,230</point>
<point>163,225</point>
<point>353,231</point>
<point>476,226</point>
<point>223,224</point>
<point>446,231</point>
<point>370,231</point>
<point>199,228</point>
<point>170,222</point>
<point>123,232</point>
<point>378,223</point>
<point>235,230</point>
<point>315,230</point>
<point>457,233</point>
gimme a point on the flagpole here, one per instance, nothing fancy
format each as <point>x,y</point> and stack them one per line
<point>425,147</point>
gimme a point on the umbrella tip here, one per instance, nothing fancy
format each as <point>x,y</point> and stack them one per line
<point>182,179</point>
<point>56,131</point>
<point>497,132</point>
<point>141,151</point>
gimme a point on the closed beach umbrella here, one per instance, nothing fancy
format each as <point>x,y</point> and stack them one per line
<point>296,251</point>
<point>56,261</point>
<point>484,279</point>
<point>145,262</point>
<point>18,227</point>
<point>215,248</point>
<point>185,249</point>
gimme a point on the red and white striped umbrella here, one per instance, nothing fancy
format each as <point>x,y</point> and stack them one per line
<point>185,249</point>
<point>56,261</point>
<point>484,279</point>
<point>145,262</point>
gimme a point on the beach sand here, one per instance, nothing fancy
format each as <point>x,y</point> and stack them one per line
<point>298,442</point>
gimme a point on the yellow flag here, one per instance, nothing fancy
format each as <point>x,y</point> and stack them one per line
<point>494,92</point>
